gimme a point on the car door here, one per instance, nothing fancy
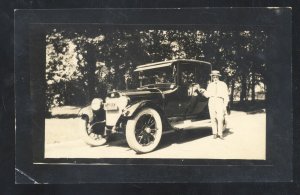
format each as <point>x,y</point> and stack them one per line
<point>191,75</point>
<point>172,96</point>
<point>202,77</point>
<point>171,101</point>
<point>180,102</point>
<point>186,77</point>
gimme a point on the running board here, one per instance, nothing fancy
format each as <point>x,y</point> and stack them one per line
<point>189,124</point>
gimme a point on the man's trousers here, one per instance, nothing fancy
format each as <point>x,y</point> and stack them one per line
<point>217,114</point>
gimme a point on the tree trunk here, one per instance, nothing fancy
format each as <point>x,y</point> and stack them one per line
<point>253,87</point>
<point>91,64</point>
<point>243,88</point>
<point>67,94</point>
<point>232,91</point>
<point>249,85</point>
<point>117,76</point>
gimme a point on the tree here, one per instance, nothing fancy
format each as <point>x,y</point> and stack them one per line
<point>87,62</point>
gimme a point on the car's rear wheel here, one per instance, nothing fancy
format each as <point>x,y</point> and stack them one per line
<point>144,131</point>
<point>94,134</point>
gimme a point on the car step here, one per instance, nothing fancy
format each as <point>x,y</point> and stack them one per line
<point>189,124</point>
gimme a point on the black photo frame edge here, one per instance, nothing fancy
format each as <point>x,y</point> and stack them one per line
<point>276,168</point>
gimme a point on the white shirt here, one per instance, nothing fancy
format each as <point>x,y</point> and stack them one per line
<point>217,89</point>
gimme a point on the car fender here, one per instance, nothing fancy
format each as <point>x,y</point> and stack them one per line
<point>86,112</point>
<point>131,111</point>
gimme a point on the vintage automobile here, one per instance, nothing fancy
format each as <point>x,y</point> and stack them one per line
<point>143,114</point>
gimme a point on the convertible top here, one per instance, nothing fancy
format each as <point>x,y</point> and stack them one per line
<point>166,63</point>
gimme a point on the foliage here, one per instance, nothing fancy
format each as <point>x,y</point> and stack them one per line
<point>84,63</point>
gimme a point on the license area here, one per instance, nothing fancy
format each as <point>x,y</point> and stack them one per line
<point>110,106</point>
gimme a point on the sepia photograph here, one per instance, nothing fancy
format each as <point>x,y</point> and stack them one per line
<point>153,95</point>
<point>115,92</point>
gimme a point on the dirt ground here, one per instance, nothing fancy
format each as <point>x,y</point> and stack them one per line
<point>245,139</point>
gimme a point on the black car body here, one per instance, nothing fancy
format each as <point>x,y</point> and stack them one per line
<point>144,113</point>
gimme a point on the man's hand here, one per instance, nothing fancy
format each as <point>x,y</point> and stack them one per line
<point>201,90</point>
<point>227,108</point>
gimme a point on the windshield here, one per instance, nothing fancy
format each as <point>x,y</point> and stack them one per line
<point>159,76</point>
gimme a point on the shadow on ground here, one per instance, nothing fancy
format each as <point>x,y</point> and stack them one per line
<point>180,137</point>
<point>227,132</point>
<point>167,139</point>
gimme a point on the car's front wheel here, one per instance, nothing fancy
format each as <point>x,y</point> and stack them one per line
<point>144,131</point>
<point>94,134</point>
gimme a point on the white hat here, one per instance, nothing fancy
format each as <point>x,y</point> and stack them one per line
<point>215,73</point>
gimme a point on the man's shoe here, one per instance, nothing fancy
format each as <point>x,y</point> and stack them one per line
<point>215,136</point>
<point>221,137</point>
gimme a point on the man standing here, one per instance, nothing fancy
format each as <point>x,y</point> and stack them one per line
<point>217,92</point>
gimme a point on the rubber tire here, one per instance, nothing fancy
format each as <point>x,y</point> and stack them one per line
<point>130,131</point>
<point>89,140</point>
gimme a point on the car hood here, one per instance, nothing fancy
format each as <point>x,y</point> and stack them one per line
<point>140,94</point>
